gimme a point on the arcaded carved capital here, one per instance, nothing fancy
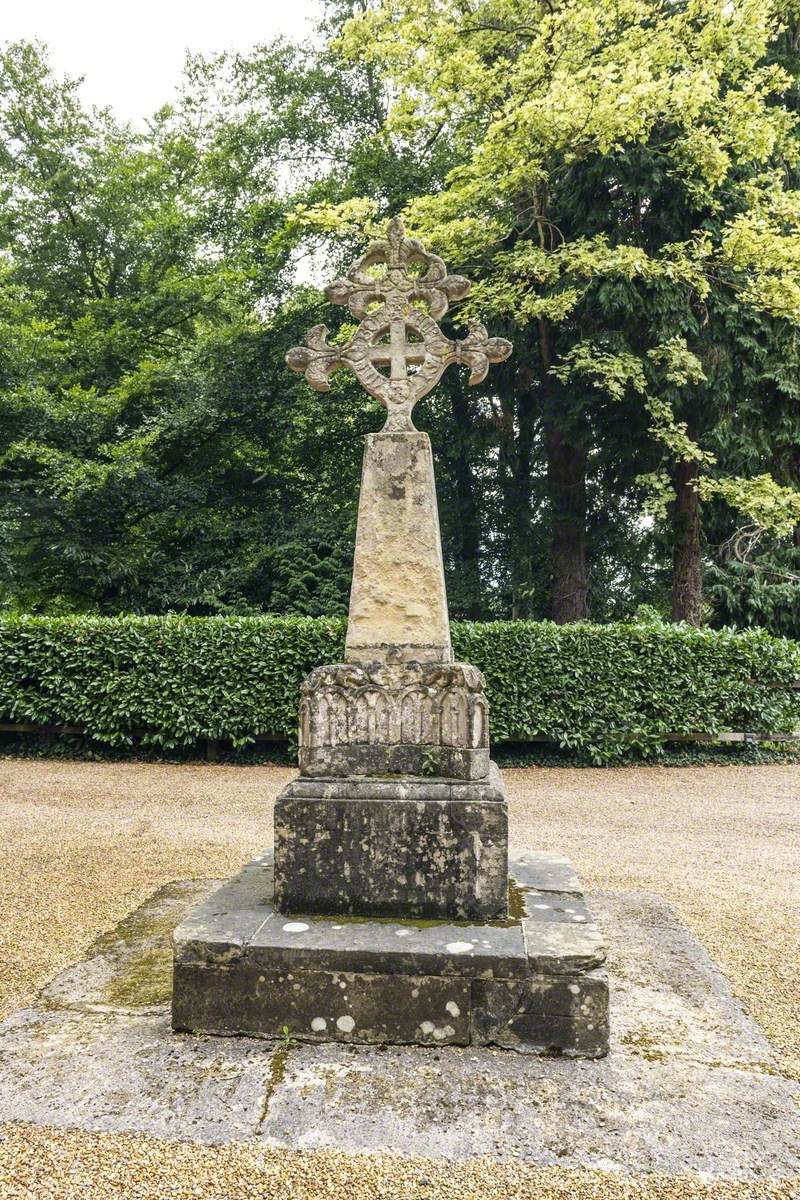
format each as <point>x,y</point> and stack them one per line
<point>393,677</point>
<point>413,718</point>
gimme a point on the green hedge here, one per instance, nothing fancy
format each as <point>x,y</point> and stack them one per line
<point>600,688</point>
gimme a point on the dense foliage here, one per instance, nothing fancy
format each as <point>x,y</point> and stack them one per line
<point>596,688</point>
<point>626,192</point>
<point>623,183</point>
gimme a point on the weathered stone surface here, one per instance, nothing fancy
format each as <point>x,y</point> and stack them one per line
<point>219,928</point>
<point>567,1015</point>
<point>121,1070</point>
<point>523,989</point>
<point>565,907</point>
<point>623,1114</point>
<point>398,310</point>
<point>584,994</point>
<point>398,605</point>
<point>394,718</point>
<point>361,945</point>
<point>320,1005</point>
<point>561,948</point>
<point>392,948</point>
<point>546,872</point>
<point>401,788</point>
<point>374,761</point>
<point>420,858</point>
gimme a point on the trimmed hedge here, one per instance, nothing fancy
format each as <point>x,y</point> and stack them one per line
<point>600,688</point>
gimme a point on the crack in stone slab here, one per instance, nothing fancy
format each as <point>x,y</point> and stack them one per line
<point>277,1073</point>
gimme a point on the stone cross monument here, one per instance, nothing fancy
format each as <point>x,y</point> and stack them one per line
<point>398,607</point>
<point>388,913</point>
<point>398,711</point>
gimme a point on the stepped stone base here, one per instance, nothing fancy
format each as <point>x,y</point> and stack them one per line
<point>393,847</point>
<point>534,982</point>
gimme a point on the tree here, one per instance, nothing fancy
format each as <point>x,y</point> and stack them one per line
<point>156,453</point>
<point>621,188</point>
<point>124,295</point>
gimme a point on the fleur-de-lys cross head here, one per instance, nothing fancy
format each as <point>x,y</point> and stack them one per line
<point>398,291</point>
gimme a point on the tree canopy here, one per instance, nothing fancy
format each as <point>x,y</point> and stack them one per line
<point>622,183</point>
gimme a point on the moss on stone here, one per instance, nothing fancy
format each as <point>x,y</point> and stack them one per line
<point>139,950</point>
<point>408,922</point>
<point>644,1046</point>
<point>144,979</point>
<point>516,901</point>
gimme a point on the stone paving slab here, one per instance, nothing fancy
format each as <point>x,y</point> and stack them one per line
<point>558,948</point>
<point>554,906</point>
<point>219,927</point>
<point>546,872</point>
<point>392,947</point>
<point>304,941</point>
<point>691,1083</point>
<point>719,1122</point>
<point>123,1071</point>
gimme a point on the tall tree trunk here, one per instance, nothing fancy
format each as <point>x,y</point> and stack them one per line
<point>566,483</point>
<point>687,579</point>
<point>469,524</point>
<point>566,479</point>
<point>517,435</point>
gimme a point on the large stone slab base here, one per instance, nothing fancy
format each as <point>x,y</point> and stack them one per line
<point>534,982</point>
<point>413,847</point>
<point>690,1084</point>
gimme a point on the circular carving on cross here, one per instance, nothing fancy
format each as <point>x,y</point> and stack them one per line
<point>396,289</point>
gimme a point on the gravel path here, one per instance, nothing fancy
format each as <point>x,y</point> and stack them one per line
<point>85,843</point>
<point>83,1166</point>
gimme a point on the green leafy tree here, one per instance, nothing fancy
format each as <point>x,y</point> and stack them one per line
<point>622,189</point>
<point>145,446</point>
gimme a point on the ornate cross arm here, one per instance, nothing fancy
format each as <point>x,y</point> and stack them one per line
<point>398,333</point>
<point>396,265</point>
<point>316,358</point>
<point>479,351</point>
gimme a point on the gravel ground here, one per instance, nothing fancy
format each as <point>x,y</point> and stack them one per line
<point>83,1166</point>
<point>85,843</point>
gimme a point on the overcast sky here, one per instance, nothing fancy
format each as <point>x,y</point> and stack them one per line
<point>131,53</point>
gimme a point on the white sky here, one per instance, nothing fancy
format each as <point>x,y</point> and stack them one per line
<point>131,52</point>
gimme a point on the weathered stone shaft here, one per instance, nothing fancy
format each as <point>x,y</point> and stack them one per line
<point>398,605</point>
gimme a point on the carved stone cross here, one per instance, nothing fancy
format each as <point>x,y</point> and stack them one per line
<point>398,291</point>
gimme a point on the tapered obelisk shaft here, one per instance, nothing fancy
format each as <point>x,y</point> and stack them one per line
<point>398,604</point>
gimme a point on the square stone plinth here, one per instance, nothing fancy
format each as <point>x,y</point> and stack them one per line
<point>534,982</point>
<point>384,847</point>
